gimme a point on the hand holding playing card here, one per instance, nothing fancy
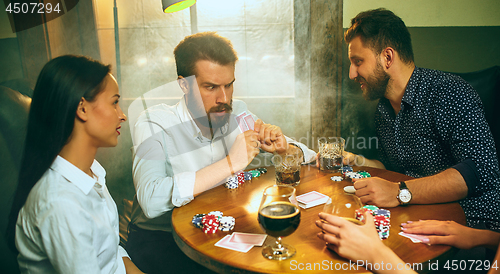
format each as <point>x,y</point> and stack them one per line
<point>271,137</point>
<point>443,232</point>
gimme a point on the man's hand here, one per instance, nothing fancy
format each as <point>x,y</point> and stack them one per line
<point>352,159</point>
<point>377,191</point>
<point>244,149</point>
<point>271,137</point>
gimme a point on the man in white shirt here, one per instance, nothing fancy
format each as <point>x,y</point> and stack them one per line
<point>183,150</point>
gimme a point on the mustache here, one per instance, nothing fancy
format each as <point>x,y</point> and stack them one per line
<point>220,108</point>
<point>359,79</point>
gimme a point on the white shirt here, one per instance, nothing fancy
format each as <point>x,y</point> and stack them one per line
<point>168,150</point>
<point>69,224</point>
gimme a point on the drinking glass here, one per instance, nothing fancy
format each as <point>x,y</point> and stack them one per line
<point>331,153</point>
<point>344,205</point>
<point>287,167</point>
<point>279,216</point>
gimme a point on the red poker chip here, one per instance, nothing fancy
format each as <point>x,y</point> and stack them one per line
<point>210,220</point>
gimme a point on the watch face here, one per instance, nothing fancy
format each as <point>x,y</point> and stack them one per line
<point>405,195</point>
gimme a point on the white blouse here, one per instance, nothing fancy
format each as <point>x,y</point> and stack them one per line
<point>69,224</point>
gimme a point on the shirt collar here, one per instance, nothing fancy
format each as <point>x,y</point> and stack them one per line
<point>412,87</point>
<point>76,176</point>
<point>189,123</point>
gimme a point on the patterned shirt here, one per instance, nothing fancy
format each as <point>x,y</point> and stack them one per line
<point>440,125</point>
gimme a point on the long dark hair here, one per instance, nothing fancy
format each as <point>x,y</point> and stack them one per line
<point>61,85</point>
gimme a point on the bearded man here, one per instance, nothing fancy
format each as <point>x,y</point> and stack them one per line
<point>430,125</point>
<point>183,150</point>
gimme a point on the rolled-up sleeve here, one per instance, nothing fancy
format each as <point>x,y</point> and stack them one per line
<point>158,189</point>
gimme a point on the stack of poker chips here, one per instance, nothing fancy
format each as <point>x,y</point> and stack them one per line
<point>239,178</point>
<point>383,225</point>
<point>226,223</point>
<point>363,173</point>
<point>210,224</point>
<point>213,221</point>
<point>355,175</point>
<point>345,169</point>
<point>381,219</point>
<point>232,182</point>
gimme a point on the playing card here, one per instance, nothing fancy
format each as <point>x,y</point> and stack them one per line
<point>241,122</point>
<point>225,243</point>
<point>249,121</point>
<point>248,238</point>
<point>413,237</point>
<point>311,199</point>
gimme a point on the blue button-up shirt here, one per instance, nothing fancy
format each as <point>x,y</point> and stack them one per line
<point>440,125</point>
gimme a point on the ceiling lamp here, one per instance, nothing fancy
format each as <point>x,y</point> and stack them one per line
<point>170,6</point>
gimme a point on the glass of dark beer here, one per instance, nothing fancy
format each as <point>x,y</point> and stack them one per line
<point>279,216</point>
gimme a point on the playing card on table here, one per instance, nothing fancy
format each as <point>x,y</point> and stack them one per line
<point>248,238</point>
<point>225,243</point>
<point>311,199</point>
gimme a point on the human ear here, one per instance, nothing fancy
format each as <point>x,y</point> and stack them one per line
<point>81,110</point>
<point>183,84</point>
<point>388,55</point>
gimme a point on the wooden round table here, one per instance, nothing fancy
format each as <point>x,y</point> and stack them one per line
<point>312,255</point>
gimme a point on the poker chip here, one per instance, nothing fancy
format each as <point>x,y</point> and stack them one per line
<point>360,214</point>
<point>248,176</point>
<point>364,174</point>
<point>346,169</point>
<point>231,182</point>
<point>226,223</point>
<point>383,225</point>
<point>336,178</point>
<point>196,221</point>
<point>209,220</point>
<point>371,207</point>
<point>382,212</point>
<point>357,176</point>
<point>350,189</point>
<point>210,229</point>
<point>262,170</point>
<point>255,173</point>
<point>241,177</point>
<point>219,214</point>
<point>213,221</point>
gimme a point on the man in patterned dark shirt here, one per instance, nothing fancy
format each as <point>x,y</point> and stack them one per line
<point>430,124</point>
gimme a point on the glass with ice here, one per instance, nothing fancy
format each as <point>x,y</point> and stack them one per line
<point>331,151</point>
<point>287,166</point>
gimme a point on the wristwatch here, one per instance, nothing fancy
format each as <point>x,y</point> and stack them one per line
<point>404,196</point>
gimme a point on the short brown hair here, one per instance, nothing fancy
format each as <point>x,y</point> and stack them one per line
<point>203,46</point>
<point>379,29</point>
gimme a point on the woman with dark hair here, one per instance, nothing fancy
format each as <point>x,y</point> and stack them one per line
<point>63,218</point>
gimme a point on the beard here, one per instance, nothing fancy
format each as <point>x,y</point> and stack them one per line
<point>376,85</point>
<point>216,121</point>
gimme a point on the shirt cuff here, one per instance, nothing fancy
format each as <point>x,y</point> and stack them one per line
<point>309,155</point>
<point>469,172</point>
<point>183,188</point>
<point>122,253</point>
